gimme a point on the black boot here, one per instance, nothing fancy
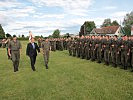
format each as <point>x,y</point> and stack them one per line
<point>46,66</point>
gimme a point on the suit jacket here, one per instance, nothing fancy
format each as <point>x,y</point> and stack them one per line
<point>30,51</point>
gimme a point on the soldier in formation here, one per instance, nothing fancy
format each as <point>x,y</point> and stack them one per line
<point>110,50</point>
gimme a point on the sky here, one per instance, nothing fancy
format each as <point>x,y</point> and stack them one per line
<point>42,17</point>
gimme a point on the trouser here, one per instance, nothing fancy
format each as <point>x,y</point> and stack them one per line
<point>124,59</point>
<point>46,57</point>
<point>114,58</point>
<point>83,53</point>
<point>74,52</point>
<point>86,53</point>
<point>93,54</point>
<point>132,59</point>
<point>15,59</point>
<point>70,52</point>
<point>33,61</point>
<point>99,55</point>
<point>78,52</point>
<point>118,58</point>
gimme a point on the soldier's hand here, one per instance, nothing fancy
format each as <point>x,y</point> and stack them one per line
<point>9,54</point>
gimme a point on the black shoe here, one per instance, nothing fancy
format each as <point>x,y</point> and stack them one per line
<point>34,69</point>
<point>46,66</point>
<point>99,62</point>
<point>115,65</point>
<point>15,71</point>
<point>125,68</point>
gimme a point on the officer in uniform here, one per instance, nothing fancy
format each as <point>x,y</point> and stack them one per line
<point>14,48</point>
<point>46,48</point>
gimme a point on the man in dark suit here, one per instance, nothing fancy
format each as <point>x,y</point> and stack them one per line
<point>31,51</point>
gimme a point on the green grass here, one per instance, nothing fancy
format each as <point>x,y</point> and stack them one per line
<point>68,78</point>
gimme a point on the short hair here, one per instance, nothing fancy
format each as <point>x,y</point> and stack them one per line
<point>14,36</point>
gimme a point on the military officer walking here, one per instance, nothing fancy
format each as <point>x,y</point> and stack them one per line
<point>14,48</point>
<point>46,48</point>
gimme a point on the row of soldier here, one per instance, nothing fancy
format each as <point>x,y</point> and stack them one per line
<point>115,51</point>
<point>56,44</point>
<point>111,50</point>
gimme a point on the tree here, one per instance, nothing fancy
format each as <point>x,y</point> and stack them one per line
<point>87,27</point>
<point>56,33</point>
<point>107,22</point>
<point>115,23</point>
<point>2,33</point>
<point>67,35</point>
<point>23,36</point>
<point>8,35</point>
<point>128,22</point>
<point>50,36</point>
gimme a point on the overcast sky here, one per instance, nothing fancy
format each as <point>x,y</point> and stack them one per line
<point>42,17</point>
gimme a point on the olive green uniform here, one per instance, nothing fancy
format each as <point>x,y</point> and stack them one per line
<point>15,53</point>
<point>46,49</point>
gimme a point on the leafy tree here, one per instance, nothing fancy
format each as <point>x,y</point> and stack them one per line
<point>67,35</point>
<point>2,33</point>
<point>128,22</point>
<point>107,22</point>
<point>87,27</point>
<point>8,35</point>
<point>50,36</point>
<point>56,33</point>
<point>23,36</point>
<point>115,23</point>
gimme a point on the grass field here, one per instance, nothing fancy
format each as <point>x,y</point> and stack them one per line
<point>67,78</point>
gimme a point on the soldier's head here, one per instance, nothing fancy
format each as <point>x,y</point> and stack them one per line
<point>47,40</point>
<point>14,37</point>
<point>126,37</point>
<point>115,37</point>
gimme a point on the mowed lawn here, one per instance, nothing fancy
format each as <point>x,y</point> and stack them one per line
<point>68,78</point>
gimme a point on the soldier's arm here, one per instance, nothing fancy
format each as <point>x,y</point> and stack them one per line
<point>37,48</point>
<point>20,49</point>
<point>27,50</point>
<point>9,49</point>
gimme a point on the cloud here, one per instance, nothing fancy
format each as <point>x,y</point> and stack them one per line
<point>75,7</point>
<point>110,8</point>
<point>58,16</point>
<point>119,14</point>
<point>9,3</point>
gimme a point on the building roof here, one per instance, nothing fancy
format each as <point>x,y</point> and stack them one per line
<point>106,30</point>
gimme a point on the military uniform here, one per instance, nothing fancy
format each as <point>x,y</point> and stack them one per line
<point>99,50</point>
<point>124,55</point>
<point>46,49</point>
<point>53,45</point>
<point>69,46</point>
<point>15,53</point>
<point>107,52</point>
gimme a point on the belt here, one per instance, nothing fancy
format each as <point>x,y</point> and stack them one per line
<point>14,50</point>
